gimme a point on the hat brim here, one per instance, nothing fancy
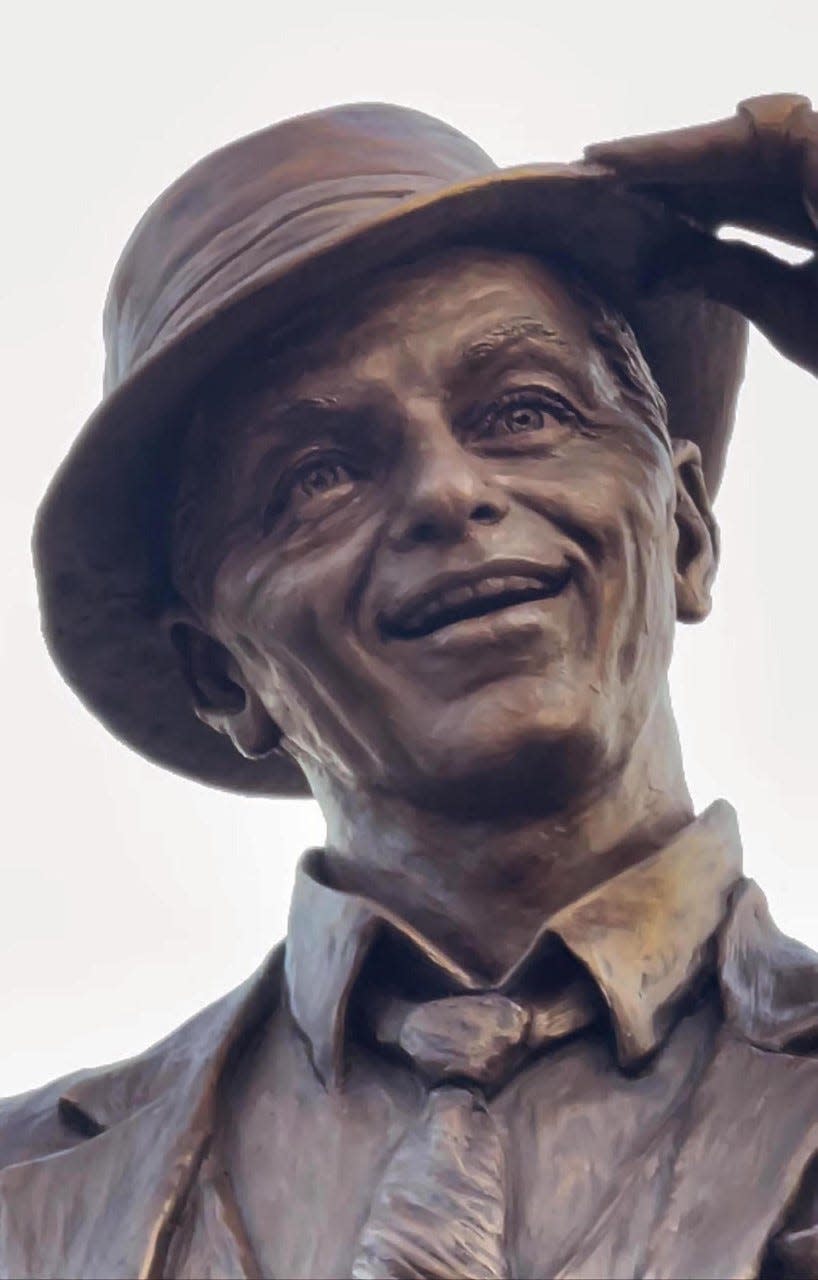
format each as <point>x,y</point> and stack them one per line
<point>99,535</point>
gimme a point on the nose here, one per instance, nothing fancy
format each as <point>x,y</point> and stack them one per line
<point>447,496</point>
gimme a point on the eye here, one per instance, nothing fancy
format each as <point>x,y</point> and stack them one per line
<point>321,477</point>
<point>309,487</point>
<point>522,417</point>
<point>525,414</point>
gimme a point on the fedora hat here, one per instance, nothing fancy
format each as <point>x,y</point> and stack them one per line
<point>243,243</point>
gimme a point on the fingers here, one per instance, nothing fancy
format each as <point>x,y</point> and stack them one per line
<point>786,129</point>
<point>776,120</point>
<point>780,298</point>
<point>758,169</point>
<point>721,150</point>
<point>773,209</point>
<point>804,133</point>
<point>745,146</point>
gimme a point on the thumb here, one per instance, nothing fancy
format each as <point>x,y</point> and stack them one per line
<point>780,298</point>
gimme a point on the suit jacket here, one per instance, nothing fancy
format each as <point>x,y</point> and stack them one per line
<point>97,1168</point>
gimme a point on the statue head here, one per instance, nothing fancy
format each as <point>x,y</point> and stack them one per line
<point>437,543</point>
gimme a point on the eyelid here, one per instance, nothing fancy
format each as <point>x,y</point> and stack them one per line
<point>311,456</point>
<point>519,395</point>
<point>314,455</point>
<point>540,393</point>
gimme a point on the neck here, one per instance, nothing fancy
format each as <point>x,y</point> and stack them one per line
<point>481,890</point>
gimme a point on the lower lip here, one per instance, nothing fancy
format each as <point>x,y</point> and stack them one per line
<point>515,622</point>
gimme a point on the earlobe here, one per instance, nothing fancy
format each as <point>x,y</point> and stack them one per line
<point>220,696</point>
<point>697,548</point>
<point>254,734</point>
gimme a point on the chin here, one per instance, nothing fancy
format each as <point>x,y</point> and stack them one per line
<point>511,754</point>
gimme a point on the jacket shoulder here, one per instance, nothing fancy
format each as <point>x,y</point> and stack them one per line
<point>769,982</point>
<point>85,1103</point>
<point>34,1124</point>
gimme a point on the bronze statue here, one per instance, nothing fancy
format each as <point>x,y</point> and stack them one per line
<point>402,478</point>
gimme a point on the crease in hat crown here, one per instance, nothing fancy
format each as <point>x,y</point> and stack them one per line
<point>245,241</point>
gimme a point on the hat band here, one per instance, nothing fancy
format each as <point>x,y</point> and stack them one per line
<point>286,226</point>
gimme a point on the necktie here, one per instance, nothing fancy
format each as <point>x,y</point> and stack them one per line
<point>439,1211</point>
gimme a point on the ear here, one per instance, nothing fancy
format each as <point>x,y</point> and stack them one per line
<point>221,695</point>
<point>697,547</point>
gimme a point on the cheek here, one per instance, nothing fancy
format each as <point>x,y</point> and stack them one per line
<point>649,540</point>
<point>291,621</point>
<point>268,623</point>
<point>281,597</point>
<point>611,505</point>
<point>620,509</point>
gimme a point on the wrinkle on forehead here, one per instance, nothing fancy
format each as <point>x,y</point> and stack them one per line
<point>445,318</point>
<point>388,304</point>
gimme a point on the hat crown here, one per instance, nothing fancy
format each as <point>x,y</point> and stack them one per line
<point>326,164</point>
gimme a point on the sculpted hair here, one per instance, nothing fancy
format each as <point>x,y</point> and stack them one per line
<point>617,342</point>
<point>206,452</point>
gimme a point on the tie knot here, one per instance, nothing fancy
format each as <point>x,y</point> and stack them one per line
<point>476,1037</point>
<point>482,1037</point>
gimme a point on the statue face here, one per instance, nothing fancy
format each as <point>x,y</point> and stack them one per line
<point>445,548</point>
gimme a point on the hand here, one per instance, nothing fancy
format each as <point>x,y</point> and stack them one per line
<point>757,170</point>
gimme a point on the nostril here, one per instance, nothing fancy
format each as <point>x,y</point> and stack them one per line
<point>486,513</point>
<point>425,531</point>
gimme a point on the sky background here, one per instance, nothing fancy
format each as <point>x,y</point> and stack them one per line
<point>129,897</point>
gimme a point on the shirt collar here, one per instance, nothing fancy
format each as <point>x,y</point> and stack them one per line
<point>644,936</point>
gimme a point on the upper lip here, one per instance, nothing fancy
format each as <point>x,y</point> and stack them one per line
<point>451,597</point>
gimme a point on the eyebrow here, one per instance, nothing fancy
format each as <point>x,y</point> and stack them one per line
<point>305,410</point>
<point>309,404</point>
<point>507,335</point>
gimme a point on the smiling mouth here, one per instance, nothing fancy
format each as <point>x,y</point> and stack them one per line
<point>464,600</point>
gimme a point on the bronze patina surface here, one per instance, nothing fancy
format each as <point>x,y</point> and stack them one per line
<point>402,481</point>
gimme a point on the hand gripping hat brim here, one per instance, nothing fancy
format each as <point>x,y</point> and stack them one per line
<point>243,243</point>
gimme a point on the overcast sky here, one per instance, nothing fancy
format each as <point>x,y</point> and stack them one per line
<point>129,897</point>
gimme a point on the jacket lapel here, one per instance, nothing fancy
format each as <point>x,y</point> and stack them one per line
<point>753,1129</point>
<point>753,1124</point>
<point>107,1209</point>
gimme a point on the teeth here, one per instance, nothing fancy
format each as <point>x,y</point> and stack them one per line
<point>497,586</point>
<point>456,595</point>
<point>483,589</point>
<point>419,618</point>
<point>488,587</point>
